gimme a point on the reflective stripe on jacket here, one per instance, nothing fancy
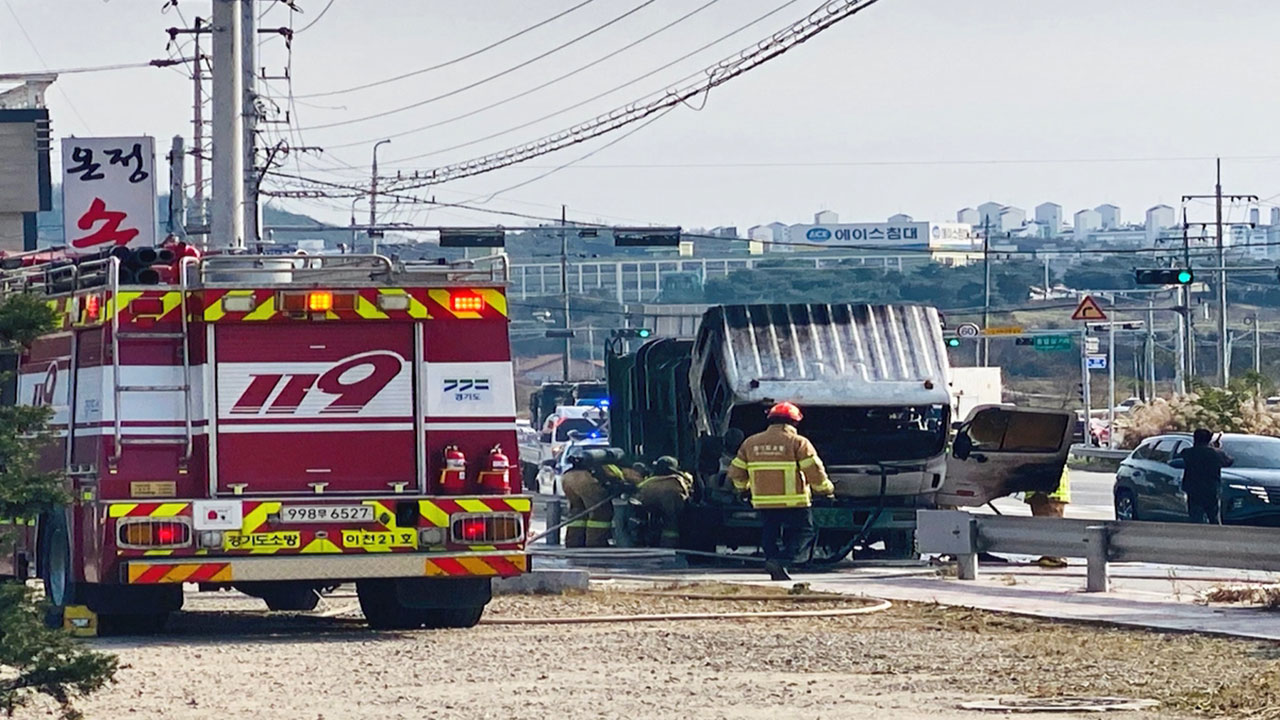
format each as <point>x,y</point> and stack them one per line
<point>1062,494</point>
<point>677,479</point>
<point>781,469</point>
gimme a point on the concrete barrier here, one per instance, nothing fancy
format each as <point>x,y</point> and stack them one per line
<point>552,581</point>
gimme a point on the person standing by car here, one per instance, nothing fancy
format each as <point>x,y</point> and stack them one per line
<point>1201,477</point>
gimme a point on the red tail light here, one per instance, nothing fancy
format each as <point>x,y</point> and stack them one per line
<point>488,528</point>
<point>154,533</point>
<point>471,529</point>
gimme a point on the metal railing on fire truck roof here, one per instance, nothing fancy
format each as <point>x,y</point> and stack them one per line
<point>50,272</point>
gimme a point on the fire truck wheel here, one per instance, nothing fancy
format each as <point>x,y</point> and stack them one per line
<point>382,609</point>
<point>60,587</point>
<point>454,617</point>
<point>410,603</point>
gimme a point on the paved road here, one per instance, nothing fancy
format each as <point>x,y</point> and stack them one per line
<point>1090,497</point>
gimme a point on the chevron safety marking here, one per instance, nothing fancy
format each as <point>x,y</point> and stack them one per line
<point>256,516</point>
<point>436,512</point>
<point>130,310</point>
<point>484,565</point>
<point>119,510</point>
<point>145,574</point>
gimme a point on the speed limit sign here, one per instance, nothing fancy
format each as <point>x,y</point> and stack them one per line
<point>967,330</point>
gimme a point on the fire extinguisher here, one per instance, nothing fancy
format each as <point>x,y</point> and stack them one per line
<point>495,478</point>
<point>453,478</point>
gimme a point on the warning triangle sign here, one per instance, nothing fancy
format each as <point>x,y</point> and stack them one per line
<point>1088,309</point>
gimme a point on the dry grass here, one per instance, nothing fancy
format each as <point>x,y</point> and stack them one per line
<point>1264,596</point>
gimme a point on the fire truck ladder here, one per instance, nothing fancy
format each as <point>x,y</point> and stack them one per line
<point>120,389</point>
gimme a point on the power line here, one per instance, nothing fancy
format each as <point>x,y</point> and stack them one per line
<point>779,43</point>
<point>924,163</point>
<point>589,100</point>
<point>34,48</point>
<point>311,24</point>
<point>565,76</point>
<point>454,61</point>
<point>490,78</point>
<point>600,149</point>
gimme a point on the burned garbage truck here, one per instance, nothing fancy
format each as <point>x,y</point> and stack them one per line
<point>872,381</point>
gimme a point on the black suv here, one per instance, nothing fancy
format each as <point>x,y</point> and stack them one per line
<point>1149,482</point>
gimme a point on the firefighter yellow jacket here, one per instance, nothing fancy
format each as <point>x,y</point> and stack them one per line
<point>781,469</point>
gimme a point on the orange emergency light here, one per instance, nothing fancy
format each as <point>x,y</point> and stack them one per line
<point>320,301</point>
<point>468,302</point>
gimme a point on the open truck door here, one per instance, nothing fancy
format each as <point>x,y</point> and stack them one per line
<point>1000,450</point>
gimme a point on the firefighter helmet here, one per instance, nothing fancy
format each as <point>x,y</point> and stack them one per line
<point>785,411</point>
<point>666,464</point>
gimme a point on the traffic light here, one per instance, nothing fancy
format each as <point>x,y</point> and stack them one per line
<point>953,342</point>
<point>1163,276</point>
<point>642,333</point>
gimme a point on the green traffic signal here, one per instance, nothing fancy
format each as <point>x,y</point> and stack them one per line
<point>643,332</point>
<point>953,342</point>
<point>1163,276</point>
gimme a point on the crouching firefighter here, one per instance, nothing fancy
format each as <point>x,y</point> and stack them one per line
<point>781,470</point>
<point>592,483</point>
<point>663,495</point>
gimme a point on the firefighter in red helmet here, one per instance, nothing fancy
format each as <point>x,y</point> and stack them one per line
<point>782,471</point>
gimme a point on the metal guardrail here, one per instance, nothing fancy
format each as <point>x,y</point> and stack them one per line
<point>955,532</point>
<point>1088,451</point>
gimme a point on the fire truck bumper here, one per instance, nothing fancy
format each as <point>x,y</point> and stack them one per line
<point>326,567</point>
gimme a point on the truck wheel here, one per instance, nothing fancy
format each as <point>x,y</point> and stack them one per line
<point>60,588</point>
<point>132,609</point>
<point>454,617</point>
<point>407,603</point>
<point>382,609</point>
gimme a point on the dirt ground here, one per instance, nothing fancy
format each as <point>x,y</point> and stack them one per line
<point>225,657</point>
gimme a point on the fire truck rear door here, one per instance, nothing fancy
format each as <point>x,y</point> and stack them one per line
<point>320,407</point>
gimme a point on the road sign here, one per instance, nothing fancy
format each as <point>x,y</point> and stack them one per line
<point>1088,309</point>
<point>1005,330</point>
<point>108,193</point>
<point>968,330</point>
<point>1092,345</point>
<point>1052,342</point>
<point>465,237</point>
<point>1097,362</point>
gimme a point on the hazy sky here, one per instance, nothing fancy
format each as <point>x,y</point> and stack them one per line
<point>917,106</point>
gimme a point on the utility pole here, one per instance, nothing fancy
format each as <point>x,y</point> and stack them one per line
<point>177,193</point>
<point>986,291</point>
<point>1257,344</point>
<point>1086,390</point>
<point>564,293</point>
<point>227,217</point>
<point>373,199</point>
<point>249,117</point>
<point>1150,374</point>
<point>1224,364</point>
<point>1111,381</point>
<point>198,150</point>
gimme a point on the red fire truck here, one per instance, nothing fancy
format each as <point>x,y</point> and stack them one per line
<point>276,424</point>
